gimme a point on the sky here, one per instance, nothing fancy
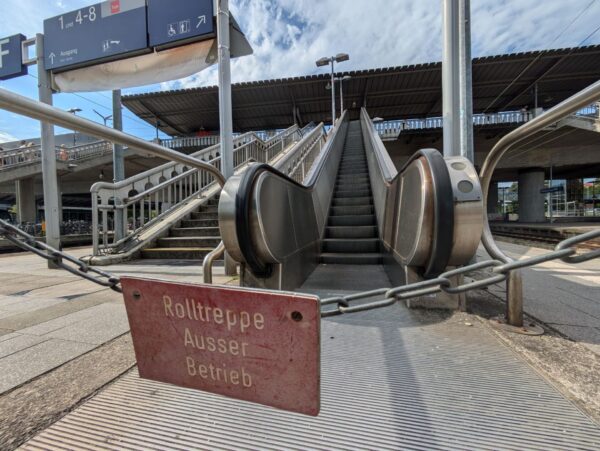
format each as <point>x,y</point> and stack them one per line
<point>288,36</point>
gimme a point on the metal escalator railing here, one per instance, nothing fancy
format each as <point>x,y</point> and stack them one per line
<point>273,219</point>
<point>148,197</point>
<point>419,208</point>
<point>297,164</point>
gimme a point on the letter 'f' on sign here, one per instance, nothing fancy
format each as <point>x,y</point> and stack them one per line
<point>2,51</point>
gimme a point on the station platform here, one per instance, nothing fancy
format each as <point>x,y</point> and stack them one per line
<point>391,379</point>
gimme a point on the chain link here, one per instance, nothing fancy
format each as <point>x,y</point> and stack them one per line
<point>61,259</point>
<point>564,251</point>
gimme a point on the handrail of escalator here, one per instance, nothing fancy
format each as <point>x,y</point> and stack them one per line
<point>384,184</point>
<point>244,193</point>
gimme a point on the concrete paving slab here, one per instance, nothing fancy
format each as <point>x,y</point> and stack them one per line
<point>98,311</point>
<point>18,342</point>
<point>24,304</point>
<point>4,332</point>
<point>109,321</point>
<point>20,367</point>
<point>29,319</point>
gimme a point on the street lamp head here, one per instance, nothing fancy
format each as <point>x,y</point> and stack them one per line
<point>323,62</point>
<point>346,77</point>
<point>342,57</point>
<point>74,110</point>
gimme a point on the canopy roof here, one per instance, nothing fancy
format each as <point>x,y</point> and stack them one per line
<point>500,83</point>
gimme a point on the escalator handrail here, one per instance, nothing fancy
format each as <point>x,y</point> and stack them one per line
<point>386,165</point>
<point>443,198</point>
<point>244,198</point>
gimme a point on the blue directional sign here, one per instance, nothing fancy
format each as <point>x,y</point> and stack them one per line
<point>104,31</point>
<point>552,189</point>
<point>171,21</point>
<point>11,59</point>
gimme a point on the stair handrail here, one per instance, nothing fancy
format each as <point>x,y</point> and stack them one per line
<point>147,198</point>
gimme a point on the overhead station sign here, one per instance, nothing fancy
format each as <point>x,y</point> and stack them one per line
<point>96,33</point>
<point>117,29</point>
<point>11,57</point>
<point>252,345</point>
<point>174,21</point>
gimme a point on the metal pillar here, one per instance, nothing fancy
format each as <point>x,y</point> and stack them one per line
<point>118,161</point>
<point>341,96</point>
<point>466,80</point>
<point>451,78</point>
<point>225,103</point>
<point>332,92</point>
<point>50,181</point>
<point>457,79</point>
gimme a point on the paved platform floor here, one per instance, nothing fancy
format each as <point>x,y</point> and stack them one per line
<point>48,318</point>
<point>63,339</point>
<point>566,297</point>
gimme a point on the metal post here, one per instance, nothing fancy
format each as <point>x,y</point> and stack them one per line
<point>118,162</point>
<point>341,96</point>
<point>451,78</point>
<point>225,103</point>
<point>332,92</point>
<point>50,181</point>
<point>466,81</point>
<point>514,295</point>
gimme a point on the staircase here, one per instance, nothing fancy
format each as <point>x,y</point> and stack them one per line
<point>351,236</point>
<point>193,239</point>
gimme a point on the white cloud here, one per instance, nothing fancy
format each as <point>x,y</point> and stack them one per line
<point>288,36</point>
<point>6,137</point>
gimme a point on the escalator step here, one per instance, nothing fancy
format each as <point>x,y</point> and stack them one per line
<point>351,259</point>
<point>352,210</point>
<point>351,246</point>
<point>352,220</point>
<point>349,232</point>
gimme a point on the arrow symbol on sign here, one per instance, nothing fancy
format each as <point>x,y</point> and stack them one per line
<point>115,42</point>
<point>52,56</point>
<point>201,20</point>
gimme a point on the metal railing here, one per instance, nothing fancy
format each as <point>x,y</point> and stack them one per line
<point>298,164</point>
<point>9,159</point>
<point>391,129</point>
<point>148,197</point>
<point>572,105</point>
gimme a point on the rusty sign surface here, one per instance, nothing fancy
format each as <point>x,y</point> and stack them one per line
<point>254,345</point>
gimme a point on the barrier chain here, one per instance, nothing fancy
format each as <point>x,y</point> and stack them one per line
<point>564,251</point>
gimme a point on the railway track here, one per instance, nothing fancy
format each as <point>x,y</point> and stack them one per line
<point>545,242</point>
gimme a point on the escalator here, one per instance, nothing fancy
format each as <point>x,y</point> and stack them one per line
<point>351,236</point>
<point>355,222</point>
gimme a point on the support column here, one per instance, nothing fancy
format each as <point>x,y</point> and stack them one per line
<point>26,206</point>
<point>225,104</point>
<point>451,78</point>
<point>48,156</point>
<point>531,200</point>
<point>492,199</point>
<point>118,162</point>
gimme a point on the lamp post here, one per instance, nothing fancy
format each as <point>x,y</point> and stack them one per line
<point>340,57</point>
<point>341,81</point>
<point>74,112</point>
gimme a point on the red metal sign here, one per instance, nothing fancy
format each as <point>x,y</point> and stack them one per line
<point>253,345</point>
<point>115,6</point>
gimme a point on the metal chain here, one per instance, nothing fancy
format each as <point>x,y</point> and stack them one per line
<point>61,259</point>
<point>564,251</point>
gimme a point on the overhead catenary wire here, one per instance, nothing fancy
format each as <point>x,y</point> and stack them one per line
<point>543,52</point>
